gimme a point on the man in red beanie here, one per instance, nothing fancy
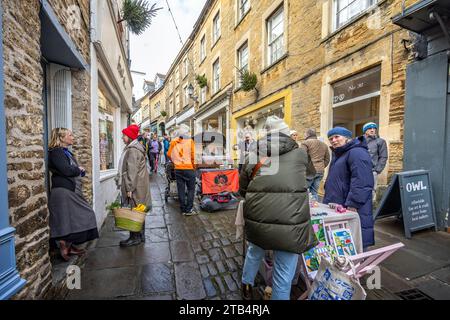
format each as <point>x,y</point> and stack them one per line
<point>133,178</point>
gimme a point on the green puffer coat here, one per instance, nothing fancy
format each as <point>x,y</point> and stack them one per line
<point>276,209</point>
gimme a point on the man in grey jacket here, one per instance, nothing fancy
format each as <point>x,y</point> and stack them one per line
<point>377,149</point>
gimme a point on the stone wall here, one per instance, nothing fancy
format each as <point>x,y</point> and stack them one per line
<point>25,151</point>
<point>24,109</point>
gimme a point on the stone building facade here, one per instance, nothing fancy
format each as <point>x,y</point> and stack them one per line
<point>304,54</point>
<point>48,83</point>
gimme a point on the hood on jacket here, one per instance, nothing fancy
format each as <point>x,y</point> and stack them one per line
<point>280,143</point>
<point>359,142</point>
<point>137,145</point>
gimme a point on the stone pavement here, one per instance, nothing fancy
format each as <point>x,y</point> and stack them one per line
<point>193,257</point>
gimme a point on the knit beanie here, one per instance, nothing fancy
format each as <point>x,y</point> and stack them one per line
<point>131,132</point>
<point>369,125</point>
<point>340,131</point>
<point>274,124</point>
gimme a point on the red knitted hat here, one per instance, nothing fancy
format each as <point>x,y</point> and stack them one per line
<point>132,131</point>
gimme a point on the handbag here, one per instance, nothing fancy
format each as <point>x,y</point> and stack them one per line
<point>331,283</point>
<point>128,219</point>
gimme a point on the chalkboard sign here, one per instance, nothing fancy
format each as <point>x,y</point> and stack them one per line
<point>410,195</point>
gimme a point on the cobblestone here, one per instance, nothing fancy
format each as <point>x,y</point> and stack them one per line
<point>220,267</point>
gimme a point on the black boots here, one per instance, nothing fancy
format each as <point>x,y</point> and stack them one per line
<point>247,292</point>
<point>133,240</point>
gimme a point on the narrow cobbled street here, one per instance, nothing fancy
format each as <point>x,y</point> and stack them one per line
<point>195,257</point>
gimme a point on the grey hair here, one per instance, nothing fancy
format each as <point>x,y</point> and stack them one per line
<point>311,132</point>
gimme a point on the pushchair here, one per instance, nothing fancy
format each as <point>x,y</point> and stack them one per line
<point>171,189</point>
<point>218,189</point>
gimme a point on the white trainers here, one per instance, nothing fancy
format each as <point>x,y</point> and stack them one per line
<point>190,213</point>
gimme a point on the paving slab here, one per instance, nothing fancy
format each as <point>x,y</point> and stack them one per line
<point>112,239</point>
<point>189,281</point>
<point>157,278</point>
<point>158,252</point>
<point>155,222</point>
<point>181,251</point>
<point>157,235</point>
<point>177,232</point>
<point>112,257</point>
<point>104,284</point>
<point>436,289</point>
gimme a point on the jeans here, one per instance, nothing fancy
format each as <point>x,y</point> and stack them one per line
<point>314,183</point>
<point>285,264</point>
<point>186,183</point>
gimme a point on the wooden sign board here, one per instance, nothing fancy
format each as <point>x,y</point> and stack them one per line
<point>410,195</point>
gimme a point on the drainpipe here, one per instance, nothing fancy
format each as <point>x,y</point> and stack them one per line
<point>10,281</point>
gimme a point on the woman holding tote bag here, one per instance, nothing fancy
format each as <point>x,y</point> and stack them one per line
<point>133,178</point>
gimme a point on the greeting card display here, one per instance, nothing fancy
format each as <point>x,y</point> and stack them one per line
<point>343,242</point>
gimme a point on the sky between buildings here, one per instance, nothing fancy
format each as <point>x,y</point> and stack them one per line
<point>154,51</point>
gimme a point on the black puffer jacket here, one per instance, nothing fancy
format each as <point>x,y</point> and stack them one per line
<point>276,208</point>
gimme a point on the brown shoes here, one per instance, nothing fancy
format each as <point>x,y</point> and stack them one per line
<point>247,292</point>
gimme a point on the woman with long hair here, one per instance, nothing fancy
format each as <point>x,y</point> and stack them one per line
<point>72,220</point>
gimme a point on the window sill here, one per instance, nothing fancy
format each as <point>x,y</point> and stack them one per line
<point>215,43</point>
<point>355,19</point>
<point>107,174</point>
<point>242,18</point>
<point>283,57</point>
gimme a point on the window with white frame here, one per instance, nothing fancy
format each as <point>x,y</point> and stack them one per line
<point>186,67</point>
<point>171,110</point>
<point>106,132</point>
<point>186,95</point>
<point>203,49</point>
<point>345,10</point>
<point>60,97</point>
<point>170,86</point>
<point>242,61</point>
<point>216,76</point>
<point>243,8</point>
<point>202,95</point>
<point>275,35</point>
<point>177,102</point>
<point>216,27</point>
<point>177,77</point>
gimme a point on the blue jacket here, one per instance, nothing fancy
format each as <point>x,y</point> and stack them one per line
<point>166,146</point>
<point>350,183</point>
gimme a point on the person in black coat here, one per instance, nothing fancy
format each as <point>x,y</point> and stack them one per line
<point>72,220</point>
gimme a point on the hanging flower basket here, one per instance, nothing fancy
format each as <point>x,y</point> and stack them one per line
<point>248,80</point>
<point>201,81</point>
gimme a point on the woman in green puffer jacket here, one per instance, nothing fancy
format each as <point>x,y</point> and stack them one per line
<point>276,209</point>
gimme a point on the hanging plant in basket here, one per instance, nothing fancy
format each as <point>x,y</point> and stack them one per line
<point>248,80</point>
<point>201,81</point>
<point>163,114</point>
<point>138,14</point>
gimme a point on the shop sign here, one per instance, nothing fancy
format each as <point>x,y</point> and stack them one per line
<point>358,86</point>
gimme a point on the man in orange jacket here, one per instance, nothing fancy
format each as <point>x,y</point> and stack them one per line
<point>182,154</point>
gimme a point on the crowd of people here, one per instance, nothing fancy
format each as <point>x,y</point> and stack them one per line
<point>276,203</point>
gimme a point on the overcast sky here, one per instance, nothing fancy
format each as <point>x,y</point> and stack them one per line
<point>154,51</point>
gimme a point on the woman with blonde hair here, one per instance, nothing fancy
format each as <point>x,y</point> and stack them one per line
<point>72,220</point>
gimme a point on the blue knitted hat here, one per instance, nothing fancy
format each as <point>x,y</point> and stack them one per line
<point>340,131</point>
<point>369,125</point>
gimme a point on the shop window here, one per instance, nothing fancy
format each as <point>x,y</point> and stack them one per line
<point>216,76</point>
<point>275,33</point>
<point>243,7</point>
<point>106,132</point>
<point>345,10</point>
<point>60,97</point>
<point>356,100</point>
<point>254,122</point>
<point>243,61</point>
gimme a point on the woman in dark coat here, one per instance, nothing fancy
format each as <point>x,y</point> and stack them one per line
<point>72,220</point>
<point>276,208</point>
<point>350,179</point>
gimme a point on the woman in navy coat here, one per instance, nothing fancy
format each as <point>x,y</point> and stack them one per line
<point>350,179</point>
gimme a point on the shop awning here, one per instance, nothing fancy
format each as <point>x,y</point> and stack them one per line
<point>417,17</point>
<point>56,45</point>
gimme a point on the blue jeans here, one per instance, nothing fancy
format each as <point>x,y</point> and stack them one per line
<point>314,183</point>
<point>285,264</point>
